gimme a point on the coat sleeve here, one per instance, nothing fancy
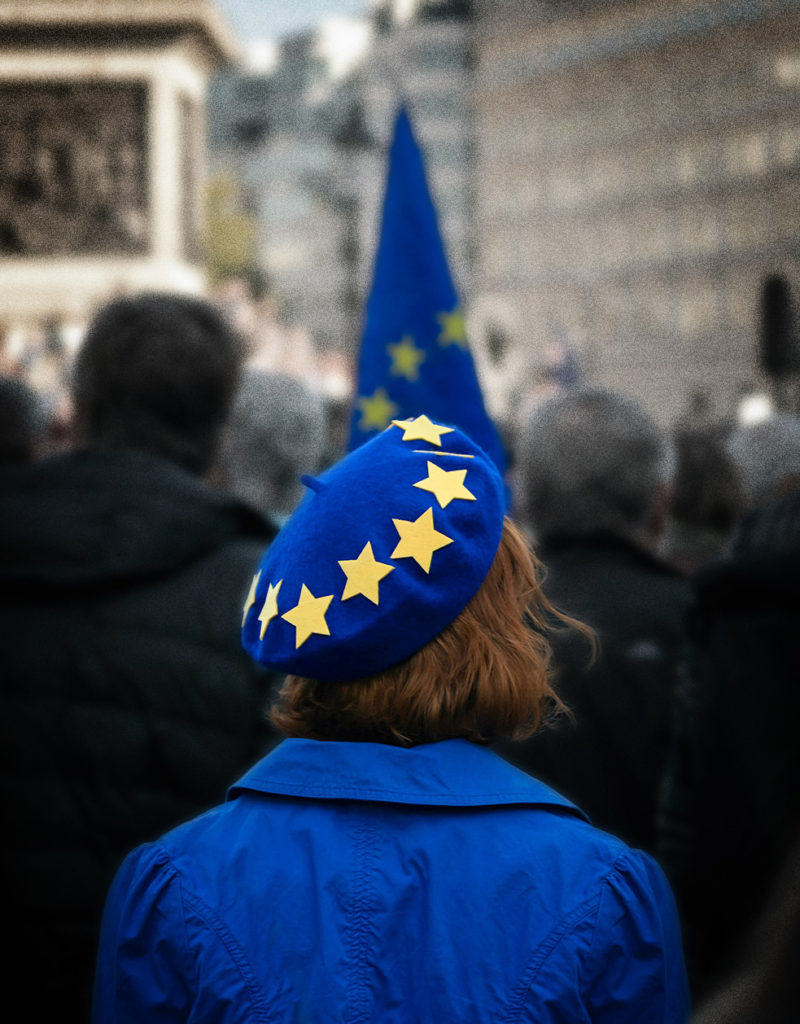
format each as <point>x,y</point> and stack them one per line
<point>143,959</point>
<point>635,969</point>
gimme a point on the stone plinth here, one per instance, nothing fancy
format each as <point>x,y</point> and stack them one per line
<point>102,116</point>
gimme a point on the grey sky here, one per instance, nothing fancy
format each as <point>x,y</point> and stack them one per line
<point>253,19</point>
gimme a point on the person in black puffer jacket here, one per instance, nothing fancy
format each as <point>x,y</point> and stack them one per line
<point>128,704</point>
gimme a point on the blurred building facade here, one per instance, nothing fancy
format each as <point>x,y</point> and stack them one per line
<point>422,55</point>
<point>309,140</point>
<point>285,133</point>
<point>102,115</point>
<point>639,193</point>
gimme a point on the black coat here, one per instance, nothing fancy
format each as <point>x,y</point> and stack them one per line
<point>608,757</point>
<point>128,704</point>
<point>731,799</point>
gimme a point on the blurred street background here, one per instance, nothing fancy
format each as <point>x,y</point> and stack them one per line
<point>617,183</point>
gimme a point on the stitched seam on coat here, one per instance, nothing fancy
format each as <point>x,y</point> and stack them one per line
<point>616,873</point>
<point>234,950</point>
<point>542,952</point>
<point>359,939</point>
<point>282,788</point>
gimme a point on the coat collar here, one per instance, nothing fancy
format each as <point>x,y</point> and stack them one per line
<point>453,773</point>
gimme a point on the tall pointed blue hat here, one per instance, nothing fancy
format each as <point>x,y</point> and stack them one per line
<point>385,550</point>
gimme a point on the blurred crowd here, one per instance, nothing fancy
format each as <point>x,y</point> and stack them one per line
<point>143,474</point>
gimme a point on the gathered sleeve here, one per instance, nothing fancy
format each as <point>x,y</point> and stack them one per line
<point>635,967</point>
<point>143,959</point>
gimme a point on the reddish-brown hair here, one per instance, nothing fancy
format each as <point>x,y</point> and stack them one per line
<point>485,676</point>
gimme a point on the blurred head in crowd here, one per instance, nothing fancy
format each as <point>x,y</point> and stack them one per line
<point>768,456</point>
<point>708,500</point>
<point>593,461</point>
<point>22,421</point>
<point>157,372</point>
<point>276,432</point>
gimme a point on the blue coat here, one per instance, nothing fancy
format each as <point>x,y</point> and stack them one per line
<point>359,882</point>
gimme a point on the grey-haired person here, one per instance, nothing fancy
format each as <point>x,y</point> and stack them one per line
<point>594,484</point>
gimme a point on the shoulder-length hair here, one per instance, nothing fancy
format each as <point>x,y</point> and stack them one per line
<point>486,676</point>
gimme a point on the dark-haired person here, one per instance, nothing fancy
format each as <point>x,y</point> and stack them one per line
<point>127,702</point>
<point>382,864</point>
<point>22,421</point>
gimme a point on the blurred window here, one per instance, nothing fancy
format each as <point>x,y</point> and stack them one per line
<point>253,90</point>
<point>746,155</point>
<point>687,163</point>
<point>565,188</point>
<point>788,147</point>
<point>448,151</point>
<point>432,54</point>
<point>787,70</point>
<point>441,105</point>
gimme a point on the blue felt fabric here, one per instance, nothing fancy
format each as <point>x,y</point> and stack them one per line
<point>353,503</point>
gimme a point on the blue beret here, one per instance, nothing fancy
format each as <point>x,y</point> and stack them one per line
<point>386,548</point>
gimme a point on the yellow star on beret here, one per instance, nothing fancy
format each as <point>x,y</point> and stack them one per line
<point>270,607</point>
<point>364,574</point>
<point>419,539</point>
<point>446,485</point>
<point>308,616</point>
<point>422,429</point>
<point>251,597</point>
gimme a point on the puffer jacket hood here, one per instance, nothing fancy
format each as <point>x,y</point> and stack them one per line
<point>107,518</point>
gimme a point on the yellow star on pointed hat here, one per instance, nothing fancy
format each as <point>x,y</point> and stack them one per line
<point>376,410</point>
<point>419,539</point>
<point>308,616</point>
<point>422,429</point>
<point>446,485</point>
<point>453,329</point>
<point>364,574</point>
<point>406,358</point>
